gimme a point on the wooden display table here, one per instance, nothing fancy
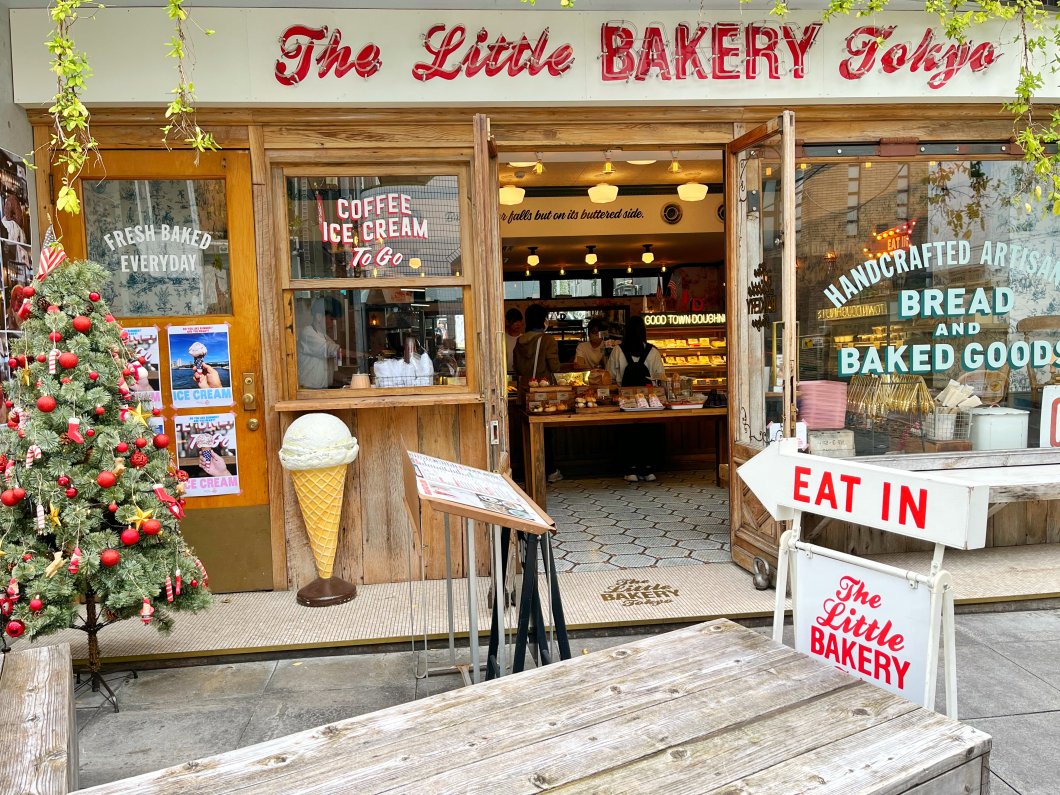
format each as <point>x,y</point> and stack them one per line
<point>715,707</point>
<point>534,437</point>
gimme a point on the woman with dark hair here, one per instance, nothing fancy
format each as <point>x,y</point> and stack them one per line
<point>636,363</point>
<point>590,354</point>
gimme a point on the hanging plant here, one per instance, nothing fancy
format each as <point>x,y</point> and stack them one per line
<point>181,110</point>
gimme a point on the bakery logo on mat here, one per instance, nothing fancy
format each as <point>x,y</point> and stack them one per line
<point>640,592</point>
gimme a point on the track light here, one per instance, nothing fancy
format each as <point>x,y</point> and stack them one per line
<point>539,167</point>
<point>609,167</point>
<point>629,269</point>
<point>648,257</point>
<point>533,259</point>
<point>562,271</point>
<point>675,167</point>
<point>590,256</point>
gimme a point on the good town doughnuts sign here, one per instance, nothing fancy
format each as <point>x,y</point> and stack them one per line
<point>723,51</point>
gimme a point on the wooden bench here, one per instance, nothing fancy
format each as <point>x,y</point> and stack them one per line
<point>38,722</point>
<point>709,708</point>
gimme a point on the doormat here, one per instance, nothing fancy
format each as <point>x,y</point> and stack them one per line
<point>629,593</point>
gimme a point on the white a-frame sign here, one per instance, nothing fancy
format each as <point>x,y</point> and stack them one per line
<point>877,622</point>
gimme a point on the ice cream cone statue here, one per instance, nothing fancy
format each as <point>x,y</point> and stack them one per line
<point>316,450</point>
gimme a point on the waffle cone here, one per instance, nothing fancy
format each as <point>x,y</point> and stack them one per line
<point>320,498</point>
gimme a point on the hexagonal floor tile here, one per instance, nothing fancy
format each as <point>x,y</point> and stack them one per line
<point>586,557</point>
<point>681,535</point>
<point>598,521</point>
<point>633,561</point>
<point>712,555</point>
<point>680,562</point>
<point>645,532</point>
<point>623,549</point>
<point>609,538</point>
<point>595,567</point>
<point>563,535</point>
<point>698,543</point>
<point>666,552</point>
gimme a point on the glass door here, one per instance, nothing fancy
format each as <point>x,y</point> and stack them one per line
<point>762,334</point>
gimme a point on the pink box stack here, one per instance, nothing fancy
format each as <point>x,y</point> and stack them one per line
<point>823,404</point>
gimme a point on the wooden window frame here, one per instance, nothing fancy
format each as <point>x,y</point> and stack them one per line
<point>298,399</point>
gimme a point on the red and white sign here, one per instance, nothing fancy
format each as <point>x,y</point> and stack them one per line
<point>275,56</point>
<point>872,625</point>
<point>927,506</point>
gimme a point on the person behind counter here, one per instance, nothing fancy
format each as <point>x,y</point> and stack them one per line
<point>590,354</point>
<point>537,356</point>
<point>317,352</point>
<point>635,362</point>
<point>513,328</point>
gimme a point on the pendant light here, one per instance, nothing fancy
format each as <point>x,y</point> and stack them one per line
<point>533,259</point>
<point>604,193</point>
<point>640,162</point>
<point>675,167</point>
<point>511,195</point>
<point>527,271</point>
<point>648,257</point>
<point>523,163</point>
<point>692,192</point>
<point>629,269</point>
<point>609,167</point>
<point>562,271</point>
<point>539,167</point>
<point>590,256</point>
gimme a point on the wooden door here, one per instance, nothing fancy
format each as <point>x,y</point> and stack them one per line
<point>488,255</point>
<point>177,237</point>
<point>761,303</point>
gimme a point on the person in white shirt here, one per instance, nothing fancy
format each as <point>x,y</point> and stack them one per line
<point>636,363</point>
<point>316,350</point>
<point>590,354</point>
<point>513,328</point>
<point>12,219</point>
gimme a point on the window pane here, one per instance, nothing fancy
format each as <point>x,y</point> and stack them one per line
<point>635,285</point>
<point>164,242</point>
<point>518,291</point>
<point>366,227</point>
<point>940,318</point>
<point>380,337</point>
<point>577,288</point>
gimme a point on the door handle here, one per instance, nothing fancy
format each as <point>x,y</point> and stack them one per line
<point>250,396</point>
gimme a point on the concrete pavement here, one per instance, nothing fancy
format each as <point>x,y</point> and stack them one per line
<point>1008,686</point>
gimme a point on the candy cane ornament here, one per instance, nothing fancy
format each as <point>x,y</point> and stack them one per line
<point>53,359</point>
<point>169,589</point>
<point>178,582</point>
<point>40,517</point>
<point>205,576</point>
<point>33,453</point>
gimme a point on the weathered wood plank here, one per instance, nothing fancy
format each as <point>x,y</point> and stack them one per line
<point>38,723</point>
<point>971,778</point>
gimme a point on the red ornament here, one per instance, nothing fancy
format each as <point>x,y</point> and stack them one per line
<point>93,375</point>
<point>53,308</point>
<point>55,336</point>
<point>93,296</point>
<point>12,424</point>
<point>130,536</point>
<point>82,324</point>
<point>71,492</point>
<point>122,447</point>
<point>36,604</point>
<point>194,583</point>
<point>138,459</point>
<point>141,359</point>
<point>182,476</point>
<point>124,334</point>
<point>106,480</point>
<point>12,363</point>
<point>109,318</point>
<point>113,507</point>
<point>29,291</point>
<point>9,404</point>
<point>15,628</point>
<point>64,481</point>
<point>46,403</point>
<point>151,527</point>
<point>66,379</point>
<point>21,360</point>
<point>20,493</point>
<point>68,361</point>
<point>21,434</point>
<point>161,441</point>
<point>109,557</point>
<point>140,442</point>
<point>156,412</point>
<point>41,358</point>
<point>90,433</point>
<point>28,556</point>
<point>100,411</point>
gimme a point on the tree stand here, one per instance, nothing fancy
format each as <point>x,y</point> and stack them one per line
<point>95,679</point>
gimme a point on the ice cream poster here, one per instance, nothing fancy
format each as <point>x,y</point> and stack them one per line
<point>206,450</point>
<point>200,366</point>
<point>147,383</point>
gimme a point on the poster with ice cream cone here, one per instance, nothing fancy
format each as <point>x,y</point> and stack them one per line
<point>200,366</point>
<point>206,450</point>
<point>147,379</point>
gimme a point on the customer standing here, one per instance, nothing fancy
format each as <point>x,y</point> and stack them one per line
<point>513,328</point>
<point>590,354</point>
<point>537,356</point>
<point>636,363</point>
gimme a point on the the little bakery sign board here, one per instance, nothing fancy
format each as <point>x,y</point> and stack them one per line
<point>872,625</point>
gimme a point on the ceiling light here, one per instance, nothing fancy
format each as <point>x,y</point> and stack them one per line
<point>692,192</point>
<point>590,256</point>
<point>629,269</point>
<point>523,164</point>
<point>675,167</point>
<point>640,162</point>
<point>562,271</point>
<point>415,263</point>
<point>603,193</point>
<point>596,271</point>
<point>609,167</point>
<point>511,195</point>
<point>533,259</point>
<point>539,167</point>
<point>769,171</point>
<point>648,257</point>
<point>527,271</point>
<point>664,269</point>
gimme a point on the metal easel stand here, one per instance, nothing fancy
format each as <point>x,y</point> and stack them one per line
<point>531,628</point>
<point>941,605</point>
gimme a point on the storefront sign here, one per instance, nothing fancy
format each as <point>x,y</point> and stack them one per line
<point>871,624</point>
<point>926,506</point>
<point>551,216</point>
<point>694,319</point>
<point>384,57</point>
<point>206,450</point>
<point>200,368</point>
<point>853,311</point>
<point>761,297</point>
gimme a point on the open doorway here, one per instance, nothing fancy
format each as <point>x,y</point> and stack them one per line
<point>603,242</point>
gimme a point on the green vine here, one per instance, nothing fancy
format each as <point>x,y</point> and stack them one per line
<point>181,110</point>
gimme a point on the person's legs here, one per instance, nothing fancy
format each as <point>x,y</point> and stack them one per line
<point>630,445</point>
<point>646,452</point>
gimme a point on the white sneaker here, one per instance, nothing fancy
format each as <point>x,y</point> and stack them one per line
<point>650,478</point>
<point>555,477</point>
<point>631,478</point>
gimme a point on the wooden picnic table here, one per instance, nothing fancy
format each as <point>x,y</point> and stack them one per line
<point>534,425</point>
<point>711,708</point>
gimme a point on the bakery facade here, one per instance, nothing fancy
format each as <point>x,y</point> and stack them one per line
<point>859,268</point>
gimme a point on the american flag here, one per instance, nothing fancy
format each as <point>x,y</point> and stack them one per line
<point>673,288</point>
<point>51,254</point>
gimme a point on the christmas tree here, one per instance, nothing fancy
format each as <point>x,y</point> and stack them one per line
<point>91,504</point>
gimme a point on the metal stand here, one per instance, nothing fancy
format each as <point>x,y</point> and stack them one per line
<point>97,682</point>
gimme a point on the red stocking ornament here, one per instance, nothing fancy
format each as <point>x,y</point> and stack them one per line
<point>73,430</point>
